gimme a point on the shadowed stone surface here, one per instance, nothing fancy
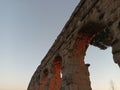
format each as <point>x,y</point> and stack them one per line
<point>95,22</point>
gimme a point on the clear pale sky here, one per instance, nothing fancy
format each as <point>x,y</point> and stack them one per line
<point>28,28</point>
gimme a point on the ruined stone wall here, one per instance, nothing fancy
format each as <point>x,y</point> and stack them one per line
<point>95,22</point>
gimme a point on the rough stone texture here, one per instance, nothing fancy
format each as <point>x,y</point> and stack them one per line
<point>95,22</point>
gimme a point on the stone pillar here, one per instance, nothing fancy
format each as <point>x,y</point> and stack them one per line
<point>44,80</point>
<point>75,71</point>
<point>116,51</point>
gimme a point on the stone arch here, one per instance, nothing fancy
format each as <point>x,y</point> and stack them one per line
<point>55,81</point>
<point>88,34</point>
<point>96,34</point>
<point>75,72</point>
<point>94,22</point>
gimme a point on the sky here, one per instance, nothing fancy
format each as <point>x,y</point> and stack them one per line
<point>28,29</point>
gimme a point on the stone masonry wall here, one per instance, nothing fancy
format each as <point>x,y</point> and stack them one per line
<point>95,22</point>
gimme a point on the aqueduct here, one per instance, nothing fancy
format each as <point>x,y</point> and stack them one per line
<point>95,22</point>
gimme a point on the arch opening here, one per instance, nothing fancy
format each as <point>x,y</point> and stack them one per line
<point>102,40</point>
<point>102,68</point>
<point>55,82</point>
<point>94,34</point>
<point>57,65</point>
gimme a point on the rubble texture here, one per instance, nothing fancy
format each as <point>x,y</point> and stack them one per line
<point>95,22</point>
